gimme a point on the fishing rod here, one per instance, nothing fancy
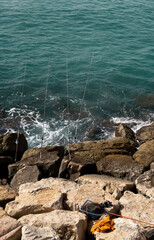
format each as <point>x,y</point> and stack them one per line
<point>68,111</point>
<point>82,102</point>
<point>19,123</point>
<point>44,111</point>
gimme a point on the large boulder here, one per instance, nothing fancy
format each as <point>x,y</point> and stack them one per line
<point>115,186</point>
<point>145,183</point>
<point>124,131</point>
<point>138,207</point>
<point>145,133</point>
<point>84,155</point>
<point>77,197</point>
<point>39,201</point>
<point>47,160</point>
<point>32,232</point>
<point>4,162</point>
<point>121,166</point>
<point>68,224</point>
<point>123,229</point>
<point>145,154</point>
<point>24,175</point>
<point>10,228</point>
<point>8,145</point>
<point>7,194</point>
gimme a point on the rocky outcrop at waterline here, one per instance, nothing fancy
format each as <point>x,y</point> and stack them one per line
<point>41,194</point>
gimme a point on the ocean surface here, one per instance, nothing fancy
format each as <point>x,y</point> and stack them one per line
<point>71,70</point>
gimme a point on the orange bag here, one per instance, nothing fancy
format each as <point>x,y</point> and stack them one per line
<point>103,225</point>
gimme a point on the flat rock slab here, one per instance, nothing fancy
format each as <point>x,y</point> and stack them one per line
<point>145,154</point>
<point>123,229</point>
<point>108,183</point>
<point>77,197</point>
<point>138,207</point>
<point>59,184</point>
<point>41,200</point>
<point>68,224</point>
<point>46,233</point>
<point>7,194</point>
<point>145,183</point>
<point>120,166</point>
<point>10,228</point>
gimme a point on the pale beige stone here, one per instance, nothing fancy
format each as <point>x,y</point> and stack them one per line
<point>110,184</point>
<point>7,194</point>
<point>42,200</point>
<point>138,207</point>
<point>10,228</point>
<point>124,229</point>
<point>77,197</point>
<point>69,225</point>
<point>46,233</point>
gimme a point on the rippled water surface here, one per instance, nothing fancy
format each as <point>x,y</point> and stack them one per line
<point>104,48</point>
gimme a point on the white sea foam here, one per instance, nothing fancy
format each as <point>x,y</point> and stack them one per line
<point>136,124</point>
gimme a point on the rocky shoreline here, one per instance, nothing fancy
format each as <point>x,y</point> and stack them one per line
<point>41,194</point>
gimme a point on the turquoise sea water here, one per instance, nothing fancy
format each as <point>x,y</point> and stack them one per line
<point>106,45</point>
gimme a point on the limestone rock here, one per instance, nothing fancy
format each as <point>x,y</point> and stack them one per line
<point>4,162</point>
<point>41,200</point>
<point>108,183</point>
<point>145,183</point>
<point>68,224</point>
<point>2,212</point>
<point>8,144</point>
<point>138,207</point>
<point>10,228</point>
<point>84,155</point>
<point>121,166</point>
<point>7,194</point>
<point>77,197</point>
<point>124,131</point>
<point>48,164</point>
<point>24,175</point>
<point>59,184</point>
<point>145,154</point>
<point>123,229</point>
<point>145,133</point>
<point>46,233</point>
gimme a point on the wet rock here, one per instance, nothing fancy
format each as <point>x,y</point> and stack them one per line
<point>108,183</point>
<point>125,132</point>
<point>2,113</point>
<point>138,207</point>
<point>4,162</point>
<point>145,183</point>
<point>145,154</point>
<point>68,224</point>
<point>76,197</point>
<point>8,145</point>
<point>145,133</point>
<point>123,229</point>
<point>7,194</point>
<point>121,166</point>
<point>48,164</point>
<point>85,155</point>
<point>24,175</point>
<point>10,228</point>
<point>38,201</point>
<point>31,233</point>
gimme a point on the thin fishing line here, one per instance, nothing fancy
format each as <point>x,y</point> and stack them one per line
<point>83,98</point>
<point>21,103</point>
<point>44,111</point>
<point>68,111</point>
